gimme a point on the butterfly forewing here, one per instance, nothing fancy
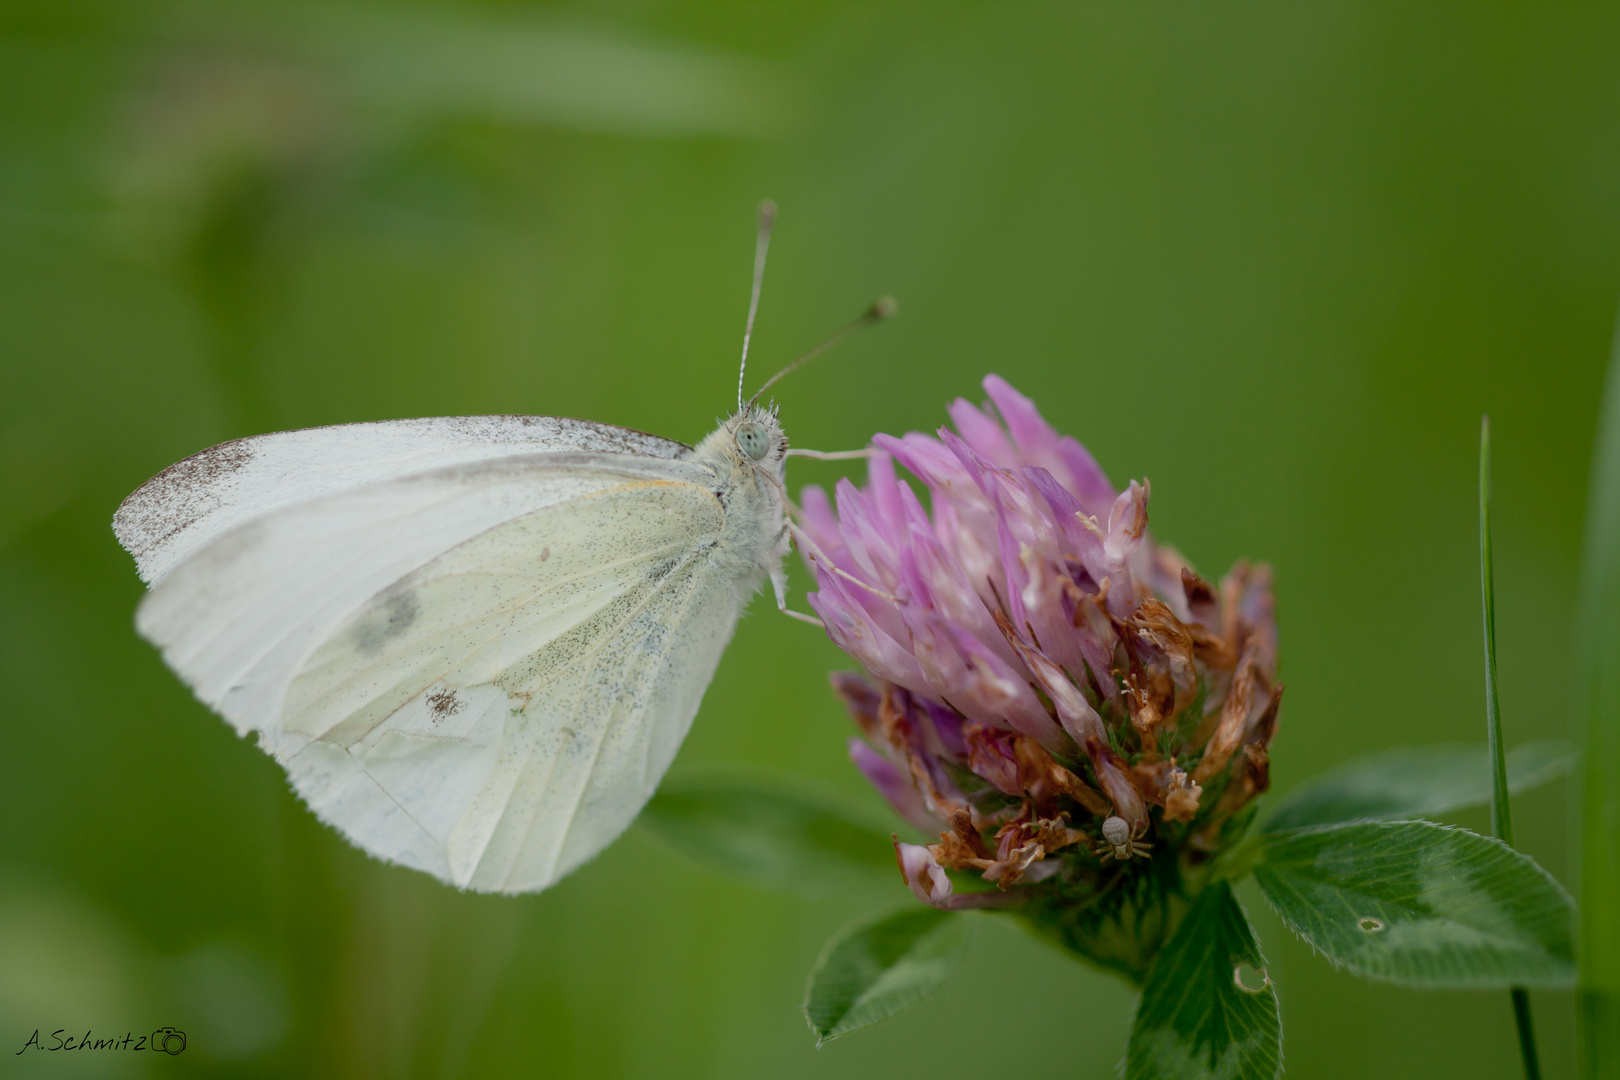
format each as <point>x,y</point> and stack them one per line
<point>238,617</point>
<point>201,498</point>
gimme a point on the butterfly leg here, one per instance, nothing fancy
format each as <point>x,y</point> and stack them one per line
<point>779,586</point>
<point>818,557</point>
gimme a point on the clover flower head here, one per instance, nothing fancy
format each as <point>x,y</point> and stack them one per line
<point>1059,697</point>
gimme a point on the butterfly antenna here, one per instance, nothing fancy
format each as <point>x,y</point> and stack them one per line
<point>882,308</point>
<point>762,244</point>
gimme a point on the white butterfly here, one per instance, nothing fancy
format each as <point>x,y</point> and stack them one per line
<point>475,643</point>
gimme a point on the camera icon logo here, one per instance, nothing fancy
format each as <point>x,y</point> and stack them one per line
<point>168,1040</point>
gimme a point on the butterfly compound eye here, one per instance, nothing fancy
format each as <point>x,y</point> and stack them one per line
<point>753,440</point>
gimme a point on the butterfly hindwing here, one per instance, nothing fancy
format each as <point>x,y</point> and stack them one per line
<point>515,702</point>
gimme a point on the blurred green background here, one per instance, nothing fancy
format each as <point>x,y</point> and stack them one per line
<point>1276,257</point>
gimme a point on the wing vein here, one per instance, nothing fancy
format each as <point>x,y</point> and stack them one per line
<point>601,738</point>
<point>390,796</point>
<point>573,709</point>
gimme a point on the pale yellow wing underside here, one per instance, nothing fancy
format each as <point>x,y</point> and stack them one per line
<point>481,672</point>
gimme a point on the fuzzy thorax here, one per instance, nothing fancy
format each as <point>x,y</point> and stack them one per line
<point>750,489</point>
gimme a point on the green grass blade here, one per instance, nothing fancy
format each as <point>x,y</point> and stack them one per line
<point>1527,1032</point>
<point>1501,812</point>
<point>1501,809</point>
<point>1598,698</point>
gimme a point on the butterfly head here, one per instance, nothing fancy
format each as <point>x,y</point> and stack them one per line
<point>757,436</point>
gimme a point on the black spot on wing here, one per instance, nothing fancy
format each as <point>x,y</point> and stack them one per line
<point>386,620</point>
<point>443,703</point>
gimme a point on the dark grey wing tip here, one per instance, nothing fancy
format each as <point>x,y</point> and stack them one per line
<point>176,497</point>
